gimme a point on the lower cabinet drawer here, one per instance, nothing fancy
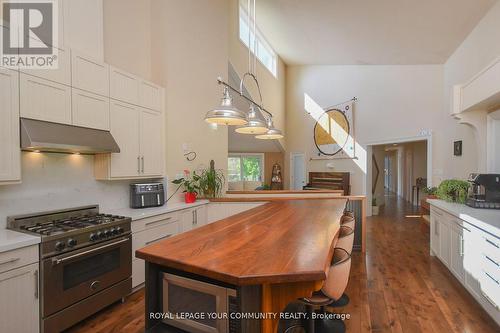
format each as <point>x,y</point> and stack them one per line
<point>154,221</point>
<point>18,258</point>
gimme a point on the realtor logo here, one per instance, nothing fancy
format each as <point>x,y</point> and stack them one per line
<point>29,31</point>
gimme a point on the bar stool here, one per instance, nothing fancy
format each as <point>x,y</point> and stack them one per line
<point>333,289</point>
<point>348,221</point>
<point>346,242</point>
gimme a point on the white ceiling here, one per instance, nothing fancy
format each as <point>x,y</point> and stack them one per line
<point>379,32</point>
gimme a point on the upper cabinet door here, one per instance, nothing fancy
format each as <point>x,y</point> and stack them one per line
<point>124,128</point>
<point>61,74</point>
<point>90,110</point>
<point>10,154</point>
<point>89,74</point>
<point>150,95</point>
<point>123,86</point>
<point>83,27</point>
<point>151,135</point>
<point>45,100</point>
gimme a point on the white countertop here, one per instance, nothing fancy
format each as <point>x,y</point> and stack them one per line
<point>142,213</point>
<point>485,219</point>
<point>11,240</point>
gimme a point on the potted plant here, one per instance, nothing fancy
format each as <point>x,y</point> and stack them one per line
<point>430,192</point>
<point>211,181</point>
<point>191,186</point>
<point>375,208</point>
<point>453,190</point>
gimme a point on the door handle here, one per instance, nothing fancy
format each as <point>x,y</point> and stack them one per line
<point>142,163</point>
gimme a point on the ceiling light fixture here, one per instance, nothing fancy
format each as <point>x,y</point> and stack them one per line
<point>249,123</point>
<point>255,124</point>
<point>272,132</point>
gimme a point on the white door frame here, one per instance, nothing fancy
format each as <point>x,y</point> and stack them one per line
<point>369,145</point>
<point>292,155</point>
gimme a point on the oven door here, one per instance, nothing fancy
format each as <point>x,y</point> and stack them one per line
<point>71,277</point>
<point>184,299</point>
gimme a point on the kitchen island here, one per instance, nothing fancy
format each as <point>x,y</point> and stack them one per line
<point>270,255</point>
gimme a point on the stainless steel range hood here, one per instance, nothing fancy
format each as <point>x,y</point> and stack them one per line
<point>37,135</point>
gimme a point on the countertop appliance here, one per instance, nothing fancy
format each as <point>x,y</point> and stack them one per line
<point>484,191</point>
<point>147,195</point>
<point>85,262</point>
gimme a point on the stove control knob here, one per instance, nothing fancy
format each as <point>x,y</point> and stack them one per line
<point>119,230</point>
<point>114,231</point>
<point>71,242</point>
<point>93,237</point>
<point>100,235</point>
<point>107,233</point>
<point>60,246</point>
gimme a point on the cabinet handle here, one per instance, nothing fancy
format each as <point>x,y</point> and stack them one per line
<point>491,277</point>
<point>138,164</point>
<point>461,246</point>
<point>194,217</point>
<point>493,261</point>
<point>436,228</point>
<point>491,242</point>
<point>158,239</point>
<point>158,222</point>
<point>36,283</point>
<point>142,163</point>
<point>9,261</point>
<point>490,300</point>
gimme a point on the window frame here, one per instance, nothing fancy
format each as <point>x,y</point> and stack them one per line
<point>243,14</point>
<point>241,156</point>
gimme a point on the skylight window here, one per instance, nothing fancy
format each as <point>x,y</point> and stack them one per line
<point>265,52</point>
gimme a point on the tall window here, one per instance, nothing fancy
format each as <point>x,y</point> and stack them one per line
<point>265,52</point>
<point>245,167</point>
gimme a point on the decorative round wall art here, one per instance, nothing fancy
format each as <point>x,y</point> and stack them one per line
<point>332,132</point>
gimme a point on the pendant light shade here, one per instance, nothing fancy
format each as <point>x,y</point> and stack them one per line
<point>255,124</point>
<point>226,114</point>
<point>272,132</point>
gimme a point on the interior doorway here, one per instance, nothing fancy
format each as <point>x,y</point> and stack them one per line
<point>400,168</point>
<point>298,171</point>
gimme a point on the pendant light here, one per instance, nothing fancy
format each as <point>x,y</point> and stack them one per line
<point>255,124</point>
<point>226,114</point>
<point>272,132</point>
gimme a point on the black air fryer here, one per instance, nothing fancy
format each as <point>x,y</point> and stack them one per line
<point>147,195</point>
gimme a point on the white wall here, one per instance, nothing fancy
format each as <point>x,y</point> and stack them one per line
<point>56,181</point>
<point>190,50</point>
<point>127,35</point>
<point>476,52</point>
<point>394,102</point>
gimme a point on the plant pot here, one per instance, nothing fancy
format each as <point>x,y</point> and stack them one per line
<point>375,210</point>
<point>190,197</point>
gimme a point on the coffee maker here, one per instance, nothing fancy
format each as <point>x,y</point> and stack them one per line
<point>484,191</point>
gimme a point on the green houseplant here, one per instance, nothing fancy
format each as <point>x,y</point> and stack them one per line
<point>212,181</point>
<point>453,190</point>
<point>191,184</point>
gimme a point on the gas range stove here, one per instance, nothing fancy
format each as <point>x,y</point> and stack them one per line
<point>66,230</point>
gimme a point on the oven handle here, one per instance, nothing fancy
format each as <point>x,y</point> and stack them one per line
<point>62,260</point>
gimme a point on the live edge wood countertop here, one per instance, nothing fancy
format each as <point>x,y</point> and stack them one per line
<point>278,242</point>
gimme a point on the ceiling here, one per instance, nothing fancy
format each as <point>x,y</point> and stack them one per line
<point>378,32</point>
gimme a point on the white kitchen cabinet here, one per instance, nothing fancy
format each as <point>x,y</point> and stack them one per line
<point>10,152</point>
<point>150,95</point>
<point>19,304</point>
<point>44,100</point>
<point>434,233</point>
<point>151,143</point>
<point>139,134</point>
<point>457,248</point>
<point>444,242</point>
<point>89,74</point>
<point>61,74</point>
<point>89,110</point>
<point>123,86</point>
<point>193,218</point>
<point>472,255</point>
<point>83,27</point>
<point>155,231</point>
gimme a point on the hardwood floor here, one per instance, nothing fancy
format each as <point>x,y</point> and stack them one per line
<point>397,287</point>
